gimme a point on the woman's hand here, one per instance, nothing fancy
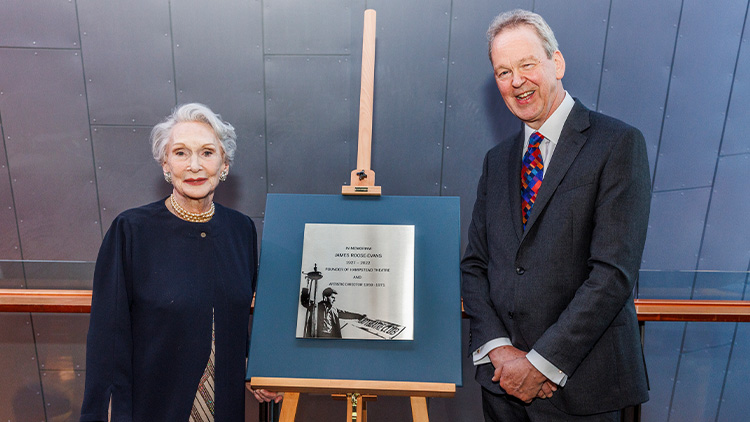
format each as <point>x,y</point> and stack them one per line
<point>267,396</point>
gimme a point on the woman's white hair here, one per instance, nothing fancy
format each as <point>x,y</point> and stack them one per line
<point>193,112</point>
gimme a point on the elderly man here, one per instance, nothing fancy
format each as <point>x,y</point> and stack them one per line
<point>555,244</point>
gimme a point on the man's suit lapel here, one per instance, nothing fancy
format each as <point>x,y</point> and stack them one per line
<point>514,183</point>
<point>568,146</point>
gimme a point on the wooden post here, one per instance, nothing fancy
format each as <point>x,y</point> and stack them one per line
<point>363,178</point>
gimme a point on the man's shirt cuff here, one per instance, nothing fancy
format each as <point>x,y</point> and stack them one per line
<point>481,355</point>
<point>546,368</point>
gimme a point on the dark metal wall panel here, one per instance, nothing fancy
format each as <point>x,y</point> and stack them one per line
<point>726,245</point>
<point>20,391</point>
<point>127,54</point>
<point>637,65</point>
<point>703,376</point>
<point>696,110</point>
<point>702,366</point>
<point>307,27</point>
<point>476,118</point>
<point>63,394</point>
<point>580,28</point>
<point>10,247</point>
<point>738,125</point>
<point>734,405</point>
<point>38,24</point>
<point>657,284</point>
<point>661,346</point>
<point>411,62</point>
<point>675,228</point>
<point>308,124</point>
<point>49,153</point>
<point>126,171</point>
<point>61,341</point>
<point>59,275</point>
<point>11,275</point>
<point>716,285</point>
<point>219,62</point>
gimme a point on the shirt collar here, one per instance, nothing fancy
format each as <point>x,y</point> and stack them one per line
<point>552,128</point>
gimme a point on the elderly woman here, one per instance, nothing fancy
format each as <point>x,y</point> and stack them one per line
<point>173,285</point>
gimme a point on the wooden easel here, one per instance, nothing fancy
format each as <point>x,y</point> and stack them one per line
<point>363,178</point>
<point>356,392</point>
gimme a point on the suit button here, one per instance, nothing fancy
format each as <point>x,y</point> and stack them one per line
<point>510,315</point>
<point>520,270</point>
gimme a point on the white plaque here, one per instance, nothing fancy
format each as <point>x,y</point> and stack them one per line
<point>357,282</point>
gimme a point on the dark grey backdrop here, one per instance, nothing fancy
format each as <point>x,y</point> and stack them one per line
<point>83,81</point>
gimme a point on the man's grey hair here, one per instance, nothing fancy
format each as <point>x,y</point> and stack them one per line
<point>193,112</point>
<point>518,17</point>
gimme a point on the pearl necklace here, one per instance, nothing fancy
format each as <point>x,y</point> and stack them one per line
<point>191,216</point>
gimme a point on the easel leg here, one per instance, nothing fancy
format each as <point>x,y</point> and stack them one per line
<point>289,407</point>
<point>419,409</point>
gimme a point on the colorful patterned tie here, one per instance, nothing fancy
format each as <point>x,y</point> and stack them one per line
<point>532,174</point>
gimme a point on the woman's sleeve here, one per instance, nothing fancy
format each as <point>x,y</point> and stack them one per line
<point>254,258</point>
<point>253,271</point>
<point>109,345</point>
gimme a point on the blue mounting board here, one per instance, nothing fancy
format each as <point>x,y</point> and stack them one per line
<point>435,353</point>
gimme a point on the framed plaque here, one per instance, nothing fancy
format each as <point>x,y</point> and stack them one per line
<point>359,282</point>
<point>393,263</point>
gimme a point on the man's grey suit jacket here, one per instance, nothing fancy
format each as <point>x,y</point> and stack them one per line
<point>563,287</point>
